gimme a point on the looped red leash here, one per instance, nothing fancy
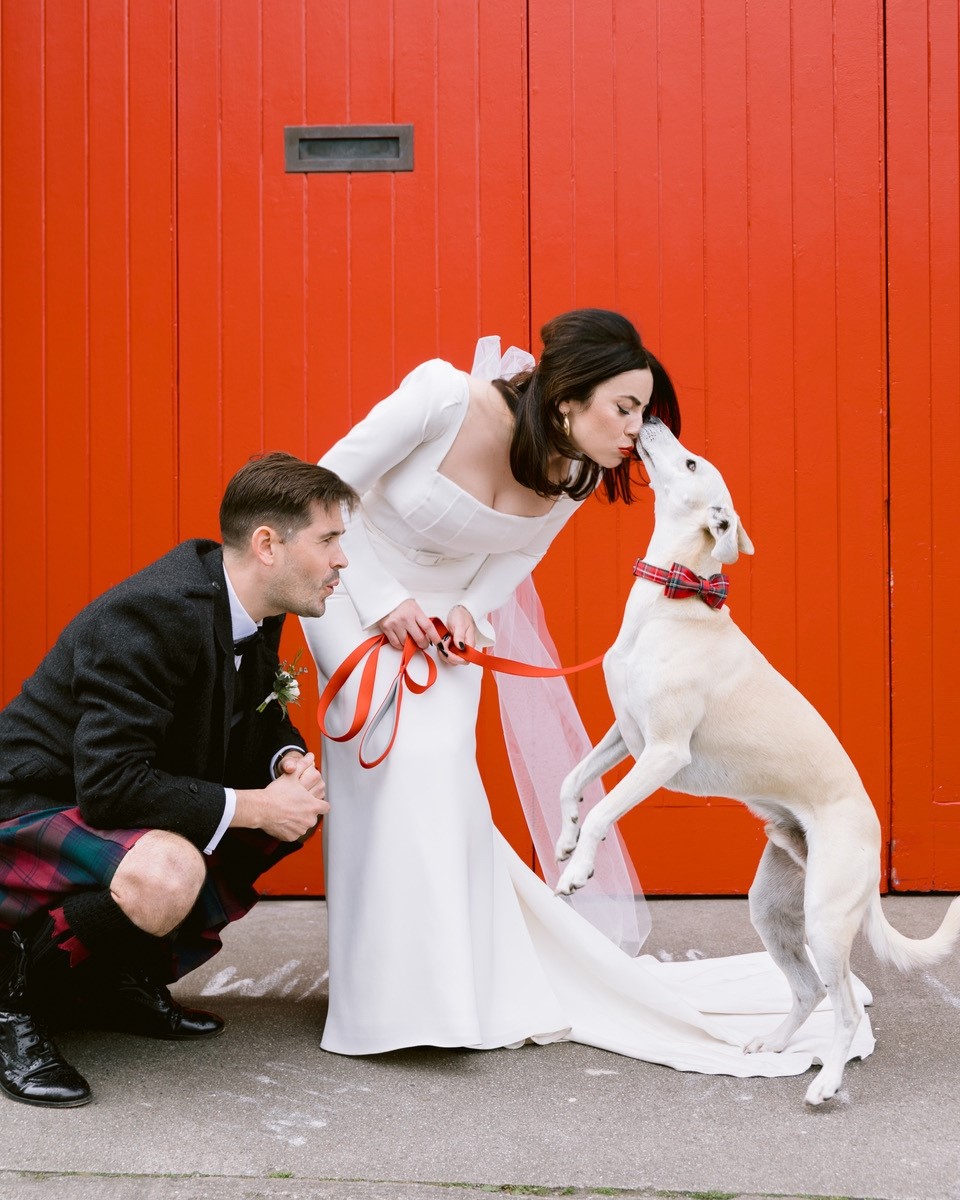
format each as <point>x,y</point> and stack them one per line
<point>370,649</point>
<point>508,666</point>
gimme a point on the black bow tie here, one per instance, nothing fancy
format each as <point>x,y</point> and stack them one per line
<point>245,643</point>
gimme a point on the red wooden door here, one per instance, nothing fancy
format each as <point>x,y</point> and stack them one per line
<point>924,270</point>
<point>725,168</point>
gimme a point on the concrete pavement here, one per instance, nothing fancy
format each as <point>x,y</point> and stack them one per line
<point>263,1112</point>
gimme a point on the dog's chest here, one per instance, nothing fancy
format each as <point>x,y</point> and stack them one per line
<point>662,639</point>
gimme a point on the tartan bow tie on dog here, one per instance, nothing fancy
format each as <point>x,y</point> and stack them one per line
<point>680,582</point>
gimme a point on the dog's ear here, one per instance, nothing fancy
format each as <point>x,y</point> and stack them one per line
<point>729,535</point>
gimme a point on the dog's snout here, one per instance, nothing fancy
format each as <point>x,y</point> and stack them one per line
<point>648,433</point>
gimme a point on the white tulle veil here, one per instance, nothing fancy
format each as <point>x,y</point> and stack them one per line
<point>545,737</point>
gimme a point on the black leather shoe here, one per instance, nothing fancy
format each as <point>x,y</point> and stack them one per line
<point>32,1069</point>
<point>135,1005</point>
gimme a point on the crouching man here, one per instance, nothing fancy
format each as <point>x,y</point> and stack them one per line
<point>144,786</point>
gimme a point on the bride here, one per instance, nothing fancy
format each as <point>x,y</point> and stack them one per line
<point>439,935</point>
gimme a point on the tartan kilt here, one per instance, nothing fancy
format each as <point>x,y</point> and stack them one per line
<point>45,856</point>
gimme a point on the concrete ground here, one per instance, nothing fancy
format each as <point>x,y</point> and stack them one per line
<point>263,1112</point>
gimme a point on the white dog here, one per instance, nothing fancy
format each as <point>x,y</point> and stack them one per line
<point>703,712</point>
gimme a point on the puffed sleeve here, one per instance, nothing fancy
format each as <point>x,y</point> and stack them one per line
<point>501,574</point>
<point>423,408</point>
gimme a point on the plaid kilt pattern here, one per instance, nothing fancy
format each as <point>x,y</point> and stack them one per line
<point>47,855</point>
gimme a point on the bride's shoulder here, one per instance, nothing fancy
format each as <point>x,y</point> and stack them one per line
<point>439,388</point>
<point>436,375</point>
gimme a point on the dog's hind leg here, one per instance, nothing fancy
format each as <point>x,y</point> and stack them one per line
<point>838,890</point>
<point>776,911</point>
<point>834,963</point>
<point>610,750</point>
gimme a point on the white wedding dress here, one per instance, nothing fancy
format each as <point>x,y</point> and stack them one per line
<point>439,935</point>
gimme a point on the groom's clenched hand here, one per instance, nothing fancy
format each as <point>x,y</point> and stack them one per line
<point>290,807</point>
<point>304,767</point>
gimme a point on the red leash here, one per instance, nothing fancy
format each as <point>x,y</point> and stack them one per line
<point>370,649</point>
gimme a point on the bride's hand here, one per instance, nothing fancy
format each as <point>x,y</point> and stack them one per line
<point>463,632</point>
<point>409,618</point>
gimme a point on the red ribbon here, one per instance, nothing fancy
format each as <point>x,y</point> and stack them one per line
<point>370,649</point>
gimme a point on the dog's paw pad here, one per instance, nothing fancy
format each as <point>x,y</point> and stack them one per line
<point>566,844</point>
<point>824,1087</point>
<point>571,880</point>
<point>759,1045</point>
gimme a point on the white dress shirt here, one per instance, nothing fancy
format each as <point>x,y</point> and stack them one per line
<point>242,625</point>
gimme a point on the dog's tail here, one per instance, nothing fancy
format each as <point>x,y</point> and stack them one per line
<point>908,953</point>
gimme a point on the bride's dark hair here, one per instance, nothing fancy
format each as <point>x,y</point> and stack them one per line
<point>581,350</point>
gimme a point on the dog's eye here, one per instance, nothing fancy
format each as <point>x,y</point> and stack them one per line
<point>691,464</point>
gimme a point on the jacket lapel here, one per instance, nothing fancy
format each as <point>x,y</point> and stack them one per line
<point>223,637</point>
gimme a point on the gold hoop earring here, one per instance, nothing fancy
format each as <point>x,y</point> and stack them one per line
<point>566,425</point>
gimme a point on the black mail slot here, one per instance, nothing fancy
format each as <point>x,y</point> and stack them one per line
<point>348,147</point>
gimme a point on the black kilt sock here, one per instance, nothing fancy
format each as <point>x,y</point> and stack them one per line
<point>109,935</point>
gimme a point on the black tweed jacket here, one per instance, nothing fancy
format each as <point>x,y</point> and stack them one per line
<point>129,714</point>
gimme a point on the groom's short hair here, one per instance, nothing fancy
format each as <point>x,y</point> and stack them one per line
<point>278,490</point>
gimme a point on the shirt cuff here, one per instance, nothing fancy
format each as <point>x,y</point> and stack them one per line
<point>229,809</point>
<point>275,761</point>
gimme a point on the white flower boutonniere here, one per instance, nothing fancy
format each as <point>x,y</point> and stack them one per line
<point>286,689</point>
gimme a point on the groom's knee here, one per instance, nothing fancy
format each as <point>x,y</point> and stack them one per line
<point>158,881</point>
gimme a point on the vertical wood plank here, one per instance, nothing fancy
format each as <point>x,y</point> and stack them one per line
<point>151,298</point>
<point>111,549</point>
<point>371,198</point>
<point>771,313</point>
<point>65,422</point>
<point>284,234</point>
<point>725,402</point>
<point>417,196</point>
<point>924,315</point>
<point>945,362</point>
<point>199,265</point>
<point>327,248</point>
<point>502,158</point>
<point>815,353</point>
<point>861,403</point>
<point>241,231</point>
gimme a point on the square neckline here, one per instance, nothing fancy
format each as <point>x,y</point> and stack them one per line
<point>447,446</point>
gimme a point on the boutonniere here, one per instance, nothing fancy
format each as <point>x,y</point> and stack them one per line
<point>286,689</point>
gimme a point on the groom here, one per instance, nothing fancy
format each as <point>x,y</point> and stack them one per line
<point>142,790</point>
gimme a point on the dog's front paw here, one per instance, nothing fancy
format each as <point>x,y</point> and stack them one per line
<point>567,841</point>
<point>769,1042</point>
<point>574,877</point>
